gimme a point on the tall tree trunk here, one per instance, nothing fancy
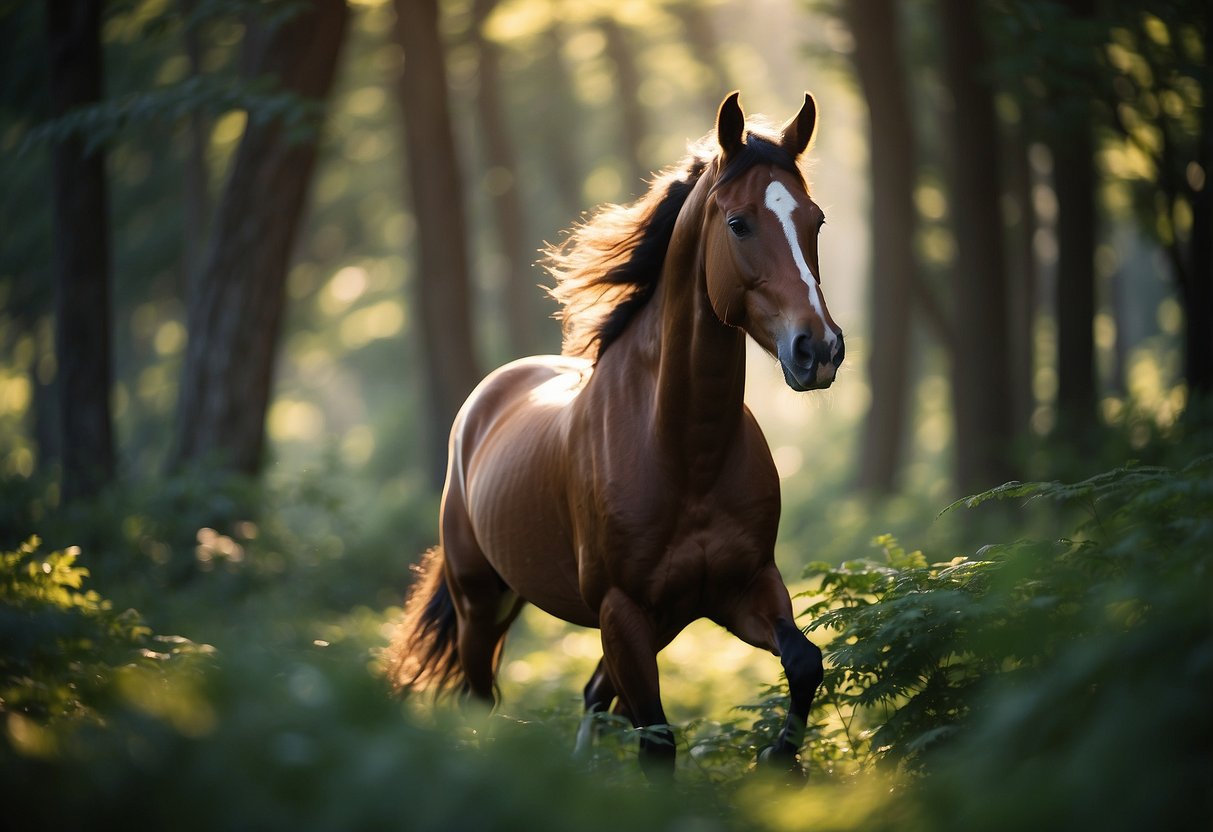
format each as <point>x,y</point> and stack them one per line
<point>557,113</point>
<point>633,124</point>
<point>1197,289</point>
<point>878,59</point>
<point>81,258</point>
<point>235,318</point>
<point>700,35</point>
<point>521,313</point>
<point>1074,184</point>
<point>197,207</point>
<point>1073,146</point>
<point>1023,282</point>
<point>981,366</point>
<point>436,187</point>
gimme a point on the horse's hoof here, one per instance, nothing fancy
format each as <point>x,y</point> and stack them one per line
<point>774,758</point>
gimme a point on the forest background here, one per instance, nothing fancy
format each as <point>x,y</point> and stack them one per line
<point>254,255</point>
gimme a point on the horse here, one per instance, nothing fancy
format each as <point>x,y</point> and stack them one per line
<point>624,484</point>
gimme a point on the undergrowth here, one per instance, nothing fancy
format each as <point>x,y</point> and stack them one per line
<point>1053,682</point>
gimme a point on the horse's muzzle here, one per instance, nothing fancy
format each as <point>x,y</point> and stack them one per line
<point>810,363</point>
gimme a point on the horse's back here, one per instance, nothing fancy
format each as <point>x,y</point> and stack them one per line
<point>509,472</point>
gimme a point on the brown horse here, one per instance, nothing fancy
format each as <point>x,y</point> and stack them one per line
<point>624,484</point>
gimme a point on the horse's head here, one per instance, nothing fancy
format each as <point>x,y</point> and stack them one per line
<point>760,247</point>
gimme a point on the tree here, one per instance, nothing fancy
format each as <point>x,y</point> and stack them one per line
<point>436,189</point>
<point>235,317</point>
<point>81,258</point>
<point>197,202</point>
<point>502,183</point>
<point>633,124</point>
<point>1161,107</point>
<point>1072,139</point>
<point>981,366</point>
<point>878,60</point>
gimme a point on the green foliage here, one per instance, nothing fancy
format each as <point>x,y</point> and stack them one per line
<point>63,645</point>
<point>1064,670</point>
<point>1054,683</point>
<point>260,98</point>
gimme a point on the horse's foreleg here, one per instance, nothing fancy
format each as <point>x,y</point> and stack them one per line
<point>764,619</point>
<point>802,666</point>
<point>629,653</point>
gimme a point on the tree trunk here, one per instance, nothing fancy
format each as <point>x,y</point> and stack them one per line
<point>633,124</point>
<point>521,312</point>
<point>197,207</point>
<point>436,188</point>
<point>1023,282</point>
<point>235,318</point>
<point>981,366</point>
<point>1197,289</point>
<point>1073,145</point>
<point>555,114</point>
<point>1074,184</point>
<point>878,59</point>
<point>81,259</point>
<point>700,35</point>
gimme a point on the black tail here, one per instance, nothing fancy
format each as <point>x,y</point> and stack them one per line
<point>423,655</point>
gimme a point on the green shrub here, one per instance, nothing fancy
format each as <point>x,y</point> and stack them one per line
<point>64,650</point>
<point>1038,680</point>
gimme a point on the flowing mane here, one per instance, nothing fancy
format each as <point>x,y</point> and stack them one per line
<point>607,268</point>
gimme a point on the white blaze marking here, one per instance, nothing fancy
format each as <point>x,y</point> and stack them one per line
<point>782,204</point>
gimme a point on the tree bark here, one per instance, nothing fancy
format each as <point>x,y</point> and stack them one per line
<point>197,207</point>
<point>1023,279</point>
<point>1073,146</point>
<point>436,190</point>
<point>521,312</point>
<point>878,59</point>
<point>981,366</point>
<point>81,258</point>
<point>1074,184</point>
<point>235,317</point>
<point>1197,290</point>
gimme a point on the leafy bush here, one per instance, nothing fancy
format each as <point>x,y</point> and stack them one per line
<point>1036,684</point>
<point>1039,682</point>
<point>64,647</point>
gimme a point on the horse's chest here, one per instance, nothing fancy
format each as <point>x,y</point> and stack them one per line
<point>679,553</point>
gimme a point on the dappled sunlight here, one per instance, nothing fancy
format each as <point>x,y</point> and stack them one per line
<point>295,421</point>
<point>385,319</point>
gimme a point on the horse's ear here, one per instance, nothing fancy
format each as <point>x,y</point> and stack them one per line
<point>798,132</point>
<point>730,124</point>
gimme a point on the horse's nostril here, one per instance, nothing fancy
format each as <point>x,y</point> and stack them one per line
<point>802,349</point>
<point>839,352</point>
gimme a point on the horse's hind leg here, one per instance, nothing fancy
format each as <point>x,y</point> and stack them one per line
<point>764,619</point>
<point>485,607</point>
<point>599,693</point>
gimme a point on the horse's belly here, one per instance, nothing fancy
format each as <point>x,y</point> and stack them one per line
<point>518,506</point>
<point>521,527</point>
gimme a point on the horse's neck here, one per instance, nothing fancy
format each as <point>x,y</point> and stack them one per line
<point>700,382</point>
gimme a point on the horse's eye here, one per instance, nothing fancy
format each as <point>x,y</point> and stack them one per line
<point>739,227</point>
